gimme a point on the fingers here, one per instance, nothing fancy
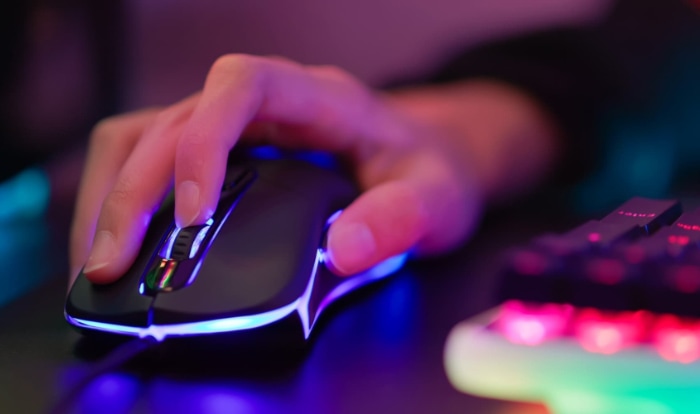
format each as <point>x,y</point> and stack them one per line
<point>416,200</point>
<point>422,205</point>
<point>335,113</point>
<point>139,188</point>
<point>112,141</point>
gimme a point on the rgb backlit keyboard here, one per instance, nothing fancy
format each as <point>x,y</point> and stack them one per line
<point>604,318</point>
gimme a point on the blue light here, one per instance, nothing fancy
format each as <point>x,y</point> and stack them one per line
<point>159,332</point>
<point>266,152</point>
<point>111,393</point>
<point>168,396</point>
<point>105,327</point>
<point>318,158</point>
<point>321,159</point>
<point>24,195</point>
<point>380,271</point>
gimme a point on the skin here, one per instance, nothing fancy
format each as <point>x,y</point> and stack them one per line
<point>427,159</point>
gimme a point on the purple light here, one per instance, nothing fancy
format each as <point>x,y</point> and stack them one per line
<point>333,217</point>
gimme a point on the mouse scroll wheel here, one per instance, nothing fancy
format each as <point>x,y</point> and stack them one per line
<point>185,243</point>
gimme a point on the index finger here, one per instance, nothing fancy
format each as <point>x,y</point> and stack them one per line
<point>112,140</point>
<point>336,112</point>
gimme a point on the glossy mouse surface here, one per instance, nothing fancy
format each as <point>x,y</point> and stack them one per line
<point>258,260</point>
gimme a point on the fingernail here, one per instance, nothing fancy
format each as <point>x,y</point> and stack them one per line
<point>351,247</point>
<point>103,250</point>
<point>187,203</point>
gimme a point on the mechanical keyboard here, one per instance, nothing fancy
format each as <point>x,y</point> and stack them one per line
<point>604,318</point>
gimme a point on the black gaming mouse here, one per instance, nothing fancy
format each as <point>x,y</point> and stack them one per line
<point>260,259</point>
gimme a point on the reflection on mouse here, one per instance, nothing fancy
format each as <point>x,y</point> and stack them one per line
<point>260,259</point>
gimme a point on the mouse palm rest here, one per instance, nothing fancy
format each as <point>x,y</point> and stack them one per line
<point>258,260</point>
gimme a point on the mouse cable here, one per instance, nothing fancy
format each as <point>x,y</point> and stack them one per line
<point>118,357</point>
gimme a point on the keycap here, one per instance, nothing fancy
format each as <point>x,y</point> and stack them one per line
<point>606,263</point>
<point>591,235</point>
<point>633,219</point>
<point>646,213</point>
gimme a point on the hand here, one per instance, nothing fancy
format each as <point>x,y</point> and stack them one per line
<point>416,192</point>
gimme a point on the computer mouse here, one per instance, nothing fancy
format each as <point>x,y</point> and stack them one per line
<point>260,259</point>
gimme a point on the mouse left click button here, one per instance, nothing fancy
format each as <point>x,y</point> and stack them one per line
<point>117,307</point>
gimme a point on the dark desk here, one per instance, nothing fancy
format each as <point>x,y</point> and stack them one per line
<point>379,352</point>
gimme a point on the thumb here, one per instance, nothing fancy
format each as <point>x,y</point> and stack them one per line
<point>396,216</point>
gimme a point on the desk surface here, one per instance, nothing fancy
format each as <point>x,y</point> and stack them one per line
<point>379,352</point>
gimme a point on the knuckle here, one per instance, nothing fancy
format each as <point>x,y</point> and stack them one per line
<point>106,131</point>
<point>240,66</point>
<point>279,59</point>
<point>191,144</point>
<point>117,198</point>
<point>412,213</point>
<point>333,72</point>
<point>120,197</point>
<point>351,87</point>
<point>192,153</point>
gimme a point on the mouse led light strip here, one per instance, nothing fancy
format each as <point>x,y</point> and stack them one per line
<point>239,323</point>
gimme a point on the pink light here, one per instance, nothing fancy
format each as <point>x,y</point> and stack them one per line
<point>691,227</point>
<point>532,324</point>
<point>594,237</point>
<point>678,345</point>
<point>678,240</point>
<point>527,330</point>
<point>609,333</point>
<point>602,338</point>
<point>676,340</point>
<point>633,214</point>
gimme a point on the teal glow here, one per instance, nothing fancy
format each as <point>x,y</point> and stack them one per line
<point>25,195</point>
<point>23,234</point>
<point>640,156</point>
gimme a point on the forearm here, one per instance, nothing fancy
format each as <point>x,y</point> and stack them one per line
<point>501,135</point>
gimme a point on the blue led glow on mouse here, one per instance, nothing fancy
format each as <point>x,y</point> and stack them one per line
<point>260,259</point>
